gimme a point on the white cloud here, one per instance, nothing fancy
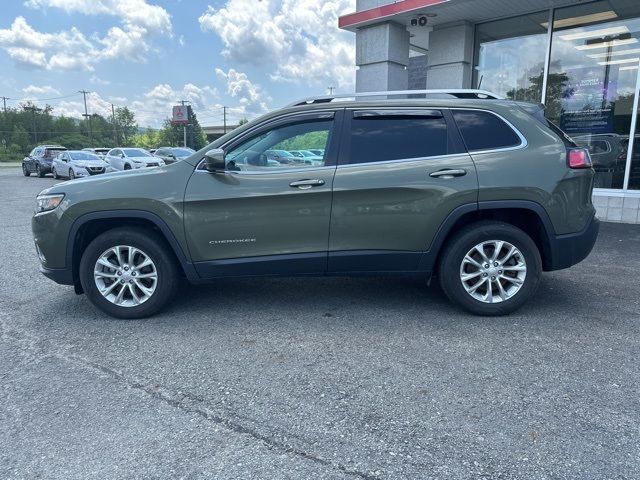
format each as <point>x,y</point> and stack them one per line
<point>252,99</point>
<point>298,39</point>
<point>75,108</point>
<point>72,50</point>
<point>29,47</point>
<point>132,12</point>
<point>98,80</point>
<point>156,104</point>
<point>40,90</point>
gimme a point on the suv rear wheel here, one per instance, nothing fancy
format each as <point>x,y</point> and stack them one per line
<point>490,268</point>
<point>128,273</point>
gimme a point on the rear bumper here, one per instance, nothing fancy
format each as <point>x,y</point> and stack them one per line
<point>567,250</point>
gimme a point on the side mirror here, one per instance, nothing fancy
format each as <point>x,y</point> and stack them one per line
<point>214,160</point>
<point>122,155</point>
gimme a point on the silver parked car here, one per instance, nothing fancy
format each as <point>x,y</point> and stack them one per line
<point>173,154</point>
<point>130,158</point>
<point>77,163</point>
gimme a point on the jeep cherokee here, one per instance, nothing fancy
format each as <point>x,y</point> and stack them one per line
<point>483,192</point>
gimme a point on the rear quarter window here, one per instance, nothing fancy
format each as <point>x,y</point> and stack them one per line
<point>482,130</point>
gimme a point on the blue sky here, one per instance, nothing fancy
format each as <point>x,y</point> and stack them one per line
<point>249,55</point>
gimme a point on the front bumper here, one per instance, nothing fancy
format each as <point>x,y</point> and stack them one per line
<point>570,249</point>
<point>63,276</point>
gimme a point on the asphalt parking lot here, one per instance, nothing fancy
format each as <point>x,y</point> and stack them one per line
<point>319,378</point>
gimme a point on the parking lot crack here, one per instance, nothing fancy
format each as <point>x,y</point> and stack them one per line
<point>185,402</point>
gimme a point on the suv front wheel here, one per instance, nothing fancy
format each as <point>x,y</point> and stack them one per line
<point>490,268</point>
<point>128,273</point>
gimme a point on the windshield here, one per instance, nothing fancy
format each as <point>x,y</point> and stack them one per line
<point>182,152</point>
<point>135,152</point>
<point>284,153</point>
<point>83,156</point>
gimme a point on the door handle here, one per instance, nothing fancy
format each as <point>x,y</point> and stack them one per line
<point>307,184</point>
<point>448,173</point>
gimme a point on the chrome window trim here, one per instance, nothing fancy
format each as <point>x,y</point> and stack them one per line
<point>404,160</point>
<point>523,140</point>
<point>523,144</point>
<point>266,123</point>
<point>274,170</point>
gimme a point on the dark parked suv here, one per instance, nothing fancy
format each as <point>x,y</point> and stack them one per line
<point>40,160</point>
<point>483,192</point>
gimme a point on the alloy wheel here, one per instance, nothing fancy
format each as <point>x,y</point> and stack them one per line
<point>125,276</point>
<point>493,271</point>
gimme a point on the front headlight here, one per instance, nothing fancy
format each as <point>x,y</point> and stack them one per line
<point>45,203</point>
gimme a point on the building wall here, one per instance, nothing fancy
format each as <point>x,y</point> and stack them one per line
<point>417,72</point>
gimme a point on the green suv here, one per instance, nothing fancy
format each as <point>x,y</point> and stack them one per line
<point>483,192</point>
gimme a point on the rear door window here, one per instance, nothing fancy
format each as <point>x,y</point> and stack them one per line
<point>378,136</point>
<point>483,130</point>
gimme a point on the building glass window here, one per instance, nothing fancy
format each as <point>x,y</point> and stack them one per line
<point>510,56</point>
<point>592,80</point>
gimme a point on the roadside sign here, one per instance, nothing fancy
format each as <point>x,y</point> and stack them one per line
<point>180,115</point>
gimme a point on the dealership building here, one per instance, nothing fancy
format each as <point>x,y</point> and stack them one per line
<point>579,58</point>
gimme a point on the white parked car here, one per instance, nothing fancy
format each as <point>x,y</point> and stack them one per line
<point>130,158</point>
<point>76,163</point>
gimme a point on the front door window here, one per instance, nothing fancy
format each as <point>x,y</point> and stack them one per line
<point>296,145</point>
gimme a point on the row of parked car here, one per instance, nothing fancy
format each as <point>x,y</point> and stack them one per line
<point>63,163</point>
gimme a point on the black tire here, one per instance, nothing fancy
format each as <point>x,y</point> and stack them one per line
<point>39,171</point>
<point>145,240</point>
<point>54,173</point>
<point>25,170</point>
<point>463,241</point>
<point>127,166</point>
<point>71,174</point>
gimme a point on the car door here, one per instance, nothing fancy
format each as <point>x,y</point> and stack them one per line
<point>114,159</point>
<point>58,164</point>
<point>401,172</point>
<point>33,158</point>
<point>259,216</point>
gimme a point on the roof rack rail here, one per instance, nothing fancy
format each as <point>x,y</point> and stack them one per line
<point>454,92</point>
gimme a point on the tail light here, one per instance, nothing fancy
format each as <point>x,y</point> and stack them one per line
<point>578,158</point>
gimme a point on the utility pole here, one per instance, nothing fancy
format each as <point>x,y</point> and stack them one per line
<point>86,115</point>
<point>4,101</point>
<point>115,127</point>
<point>33,122</point>
<point>331,90</point>
<point>224,119</point>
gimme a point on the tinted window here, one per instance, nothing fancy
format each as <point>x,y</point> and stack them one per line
<point>380,138</point>
<point>484,130</point>
<point>135,152</point>
<point>83,156</point>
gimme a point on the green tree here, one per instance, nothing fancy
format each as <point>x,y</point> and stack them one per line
<point>147,139</point>
<point>173,135</point>
<point>20,137</point>
<point>126,123</point>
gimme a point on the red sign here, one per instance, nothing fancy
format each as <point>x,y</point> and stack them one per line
<point>180,115</point>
